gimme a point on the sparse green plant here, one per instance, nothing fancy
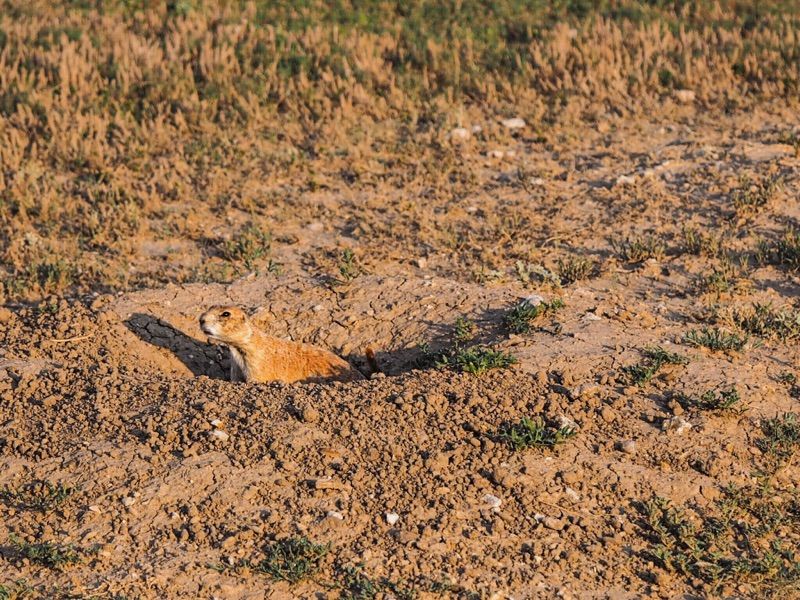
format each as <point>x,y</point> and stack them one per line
<point>639,249</point>
<point>475,359</point>
<point>716,339</point>
<point>784,252</point>
<point>36,495</point>
<point>291,559</point>
<point>790,380</point>
<point>735,541</point>
<point>464,330</point>
<point>763,320</point>
<point>529,272</point>
<point>751,197</point>
<point>249,246</point>
<point>781,438</point>
<point>48,554</point>
<point>463,356</point>
<point>356,585</point>
<point>16,590</point>
<point>348,267</point>
<point>534,433</point>
<point>520,318</point>
<point>655,358</point>
<point>696,242</point>
<point>722,400</point>
<point>574,269</point>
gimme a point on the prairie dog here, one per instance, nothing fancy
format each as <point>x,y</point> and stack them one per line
<point>258,357</point>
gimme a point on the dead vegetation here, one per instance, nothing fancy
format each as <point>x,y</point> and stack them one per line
<point>123,129</point>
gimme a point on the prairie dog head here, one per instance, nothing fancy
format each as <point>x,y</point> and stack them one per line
<point>226,324</point>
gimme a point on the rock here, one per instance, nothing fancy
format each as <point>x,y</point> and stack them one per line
<point>625,180</point>
<point>392,518</point>
<point>553,523</point>
<point>514,123</point>
<point>128,501</point>
<point>326,483</point>
<point>222,436</point>
<point>493,501</point>
<point>627,446</point>
<point>421,262</point>
<point>309,415</point>
<point>495,154</point>
<point>607,414</point>
<point>685,96</point>
<point>585,390</point>
<point>95,509</point>
<point>333,514</point>
<point>477,129</point>
<point>459,134</point>
<point>216,423</point>
<point>5,314</point>
<point>564,422</point>
<point>676,424</point>
<point>533,300</point>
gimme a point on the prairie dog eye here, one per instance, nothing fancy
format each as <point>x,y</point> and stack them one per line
<point>225,314</point>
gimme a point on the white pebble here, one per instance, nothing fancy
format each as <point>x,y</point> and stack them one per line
<point>533,300</point>
<point>216,423</point>
<point>684,96</point>
<point>626,180</point>
<point>128,501</point>
<point>514,123</point>
<point>493,501</point>
<point>676,424</point>
<point>220,435</point>
<point>392,518</point>
<point>333,514</point>
<point>459,133</point>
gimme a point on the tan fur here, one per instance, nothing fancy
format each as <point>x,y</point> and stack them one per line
<point>257,357</point>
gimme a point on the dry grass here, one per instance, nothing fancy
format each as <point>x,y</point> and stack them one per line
<point>123,127</point>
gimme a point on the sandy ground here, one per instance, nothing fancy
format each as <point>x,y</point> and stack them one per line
<point>115,395</point>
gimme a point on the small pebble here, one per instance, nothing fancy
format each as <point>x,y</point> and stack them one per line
<point>459,134</point>
<point>392,518</point>
<point>553,523</point>
<point>333,514</point>
<point>514,123</point>
<point>493,501</point>
<point>628,446</point>
<point>128,501</point>
<point>676,424</point>
<point>220,435</point>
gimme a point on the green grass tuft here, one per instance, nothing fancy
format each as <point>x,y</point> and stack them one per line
<point>37,495</point>
<point>715,339</point>
<point>249,246</point>
<point>751,197</point>
<point>724,400</point>
<point>520,318</point>
<point>655,358</point>
<point>292,559</point>
<point>533,433</point>
<point>781,438</point>
<point>763,320</point>
<point>475,359</point>
<point>48,554</point>
<point>639,249</point>
<point>574,269</point>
